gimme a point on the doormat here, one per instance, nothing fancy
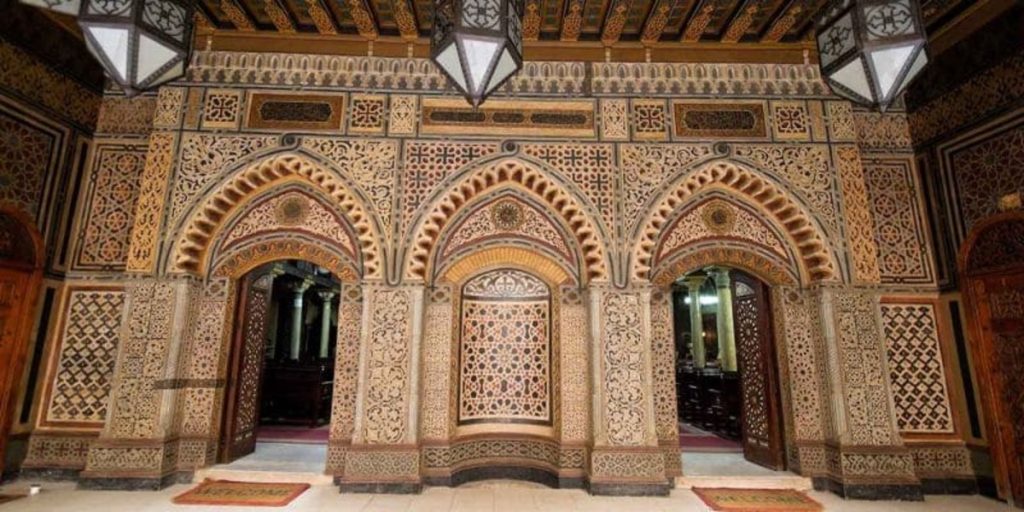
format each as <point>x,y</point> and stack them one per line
<point>4,498</point>
<point>757,500</point>
<point>253,494</point>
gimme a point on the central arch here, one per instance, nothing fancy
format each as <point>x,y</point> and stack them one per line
<point>486,179</point>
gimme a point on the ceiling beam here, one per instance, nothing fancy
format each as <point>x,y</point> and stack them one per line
<point>279,16</point>
<point>322,18</point>
<point>237,16</point>
<point>615,21</point>
<point>588,51</point>
<point>572,20</point>
<point>694,28</point>
<point>363,18</point>
<point>405,18</point>
<point>532,20</point>
<point>657,20</point>
<point>739,25</point>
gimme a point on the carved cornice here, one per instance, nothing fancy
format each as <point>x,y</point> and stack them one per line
<point>573,79</point>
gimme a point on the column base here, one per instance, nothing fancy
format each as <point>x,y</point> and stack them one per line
<point>101,483</point>
<point>638,471</point>
<point>49,474</point>
<point>949,485</point>
<point>380,487</point>
<point>626,489</point>
<point>384,469</point>
<point>870,492</point>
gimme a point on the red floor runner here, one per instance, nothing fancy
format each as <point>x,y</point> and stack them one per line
<point>293,434</point>
<point>692,439</point>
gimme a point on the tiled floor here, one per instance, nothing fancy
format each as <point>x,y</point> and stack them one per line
<point>723,464</point>
<point>493,496</point>
<point>283,457</point>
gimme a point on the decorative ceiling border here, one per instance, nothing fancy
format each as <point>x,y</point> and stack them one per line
<point>537,78</point>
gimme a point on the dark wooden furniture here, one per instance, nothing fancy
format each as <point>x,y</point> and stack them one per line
<point>297,393</point>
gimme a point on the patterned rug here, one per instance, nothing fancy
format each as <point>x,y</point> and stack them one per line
<point>757,500</point>
<point>253,494</point>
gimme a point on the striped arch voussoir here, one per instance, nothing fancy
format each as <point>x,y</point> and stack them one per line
<point>426,238</point>
<point>809,242</point>
<point>205,222</point>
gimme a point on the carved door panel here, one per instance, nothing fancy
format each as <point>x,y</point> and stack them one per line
<point>16,297</point>
<point>1005,326</point>
<point>242,414</point>
<point>760,418</point>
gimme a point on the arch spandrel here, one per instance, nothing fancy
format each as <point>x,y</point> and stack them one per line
<point>435,217</point>
<point>201,228</point>
<point>806,237</point>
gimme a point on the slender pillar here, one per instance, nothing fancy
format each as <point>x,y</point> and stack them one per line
<point>299,289</point>
<point>693,284</point>
<point>325,320</point>
<point>726,334</point>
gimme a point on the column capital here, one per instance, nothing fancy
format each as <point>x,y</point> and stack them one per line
<point>300,286</point>
<point>325,295</point>
<point>720,275</point>
<point>694,281</point>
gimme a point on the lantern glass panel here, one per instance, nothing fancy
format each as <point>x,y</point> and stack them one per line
<point>112,43</point>
<point>70,7</point>
<point>505,68</point>
<point>479,55</point>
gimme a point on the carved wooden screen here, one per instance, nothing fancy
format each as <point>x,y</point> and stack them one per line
<point>247,353</point>
<point>762,432</point>
<point>505,352</point>
<point>995,286</point>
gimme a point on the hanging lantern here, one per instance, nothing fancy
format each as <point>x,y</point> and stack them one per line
<point>140,43</point>
<point>870,50</point>
<point>477,43</point>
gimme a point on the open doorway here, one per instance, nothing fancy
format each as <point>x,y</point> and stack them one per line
<point>281,365</point>
<point>730,417</point>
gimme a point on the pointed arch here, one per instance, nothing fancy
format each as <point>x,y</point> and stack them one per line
<point>506,172</point>
<point>206,221</point>
<point>505,216</point>
<point>808,239</point>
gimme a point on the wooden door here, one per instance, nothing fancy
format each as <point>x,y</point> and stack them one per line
<point>21,248</point>
<point>761,417</point>
<point>17,295</point>
<point>242,406</point>
<point>1000,317</point>
<point>991,263</point>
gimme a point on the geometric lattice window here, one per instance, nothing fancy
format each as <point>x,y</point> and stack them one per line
<point>505,352</point>
<point>916,371</point>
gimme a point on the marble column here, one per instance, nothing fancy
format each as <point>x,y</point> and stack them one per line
<point>726,334</point>
<point>299,290</point>
<point>693,284</point>
<point>325,321</point>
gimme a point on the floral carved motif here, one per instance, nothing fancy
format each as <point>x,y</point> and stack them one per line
<point>623,364</point>
<point>387,367</point>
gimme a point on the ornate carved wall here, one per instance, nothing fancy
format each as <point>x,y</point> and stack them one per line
<point>604,196</point>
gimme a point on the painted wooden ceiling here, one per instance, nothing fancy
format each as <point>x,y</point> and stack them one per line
<point>605,21</point>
